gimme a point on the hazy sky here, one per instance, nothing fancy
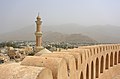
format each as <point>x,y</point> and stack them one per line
<point>15,14</point>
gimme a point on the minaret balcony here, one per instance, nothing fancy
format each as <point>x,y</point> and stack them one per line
<point>38,22</point>
<point>38,33</point>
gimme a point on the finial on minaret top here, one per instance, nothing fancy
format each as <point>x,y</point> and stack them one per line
<point>38,13</point>
<point>38,17</point>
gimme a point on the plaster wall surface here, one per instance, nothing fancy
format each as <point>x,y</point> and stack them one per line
<point>86,62</point>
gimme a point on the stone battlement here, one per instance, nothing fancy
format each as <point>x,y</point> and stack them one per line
<point>86,62</point>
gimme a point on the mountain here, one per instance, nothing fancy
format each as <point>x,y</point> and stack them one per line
<point>47,36</point>
<point>105,33</point>
<point>77,38</point>
<point>68,38</point>
<point>26,33</point>
<point>100,33</point>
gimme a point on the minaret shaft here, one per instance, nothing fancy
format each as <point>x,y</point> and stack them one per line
<point>38,41</point>
<point>38,32</point>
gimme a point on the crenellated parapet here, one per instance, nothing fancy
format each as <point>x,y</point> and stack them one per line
<point>86,62</point>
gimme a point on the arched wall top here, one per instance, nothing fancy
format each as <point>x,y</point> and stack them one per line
<point>93,59</point>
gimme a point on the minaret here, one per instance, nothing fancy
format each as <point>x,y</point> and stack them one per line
<point>38,34</point>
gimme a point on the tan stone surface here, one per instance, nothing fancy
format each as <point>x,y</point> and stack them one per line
<point>70,62</point>
<point>43,51</point>
<point>94,62</point>
<point>16,71</point>
<point>58,66</point>
<point>38,32</point>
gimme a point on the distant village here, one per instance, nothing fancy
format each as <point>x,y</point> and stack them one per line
<point>15,51</point>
